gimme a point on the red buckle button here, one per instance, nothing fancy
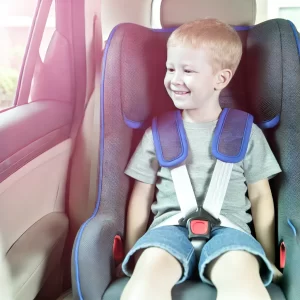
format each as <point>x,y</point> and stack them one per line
<point>282,255</point>
<point>118,251</point>
<point>199,227</point>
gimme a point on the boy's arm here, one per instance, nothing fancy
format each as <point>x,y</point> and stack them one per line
<point>138,212</point>
<point>262,208</point>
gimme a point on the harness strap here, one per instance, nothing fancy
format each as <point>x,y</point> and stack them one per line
<point>184,190</point>
<point>217,188</point>
<point>230,142</point>
<point>216,191</point>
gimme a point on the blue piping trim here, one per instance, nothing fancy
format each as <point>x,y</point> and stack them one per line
<point>271,123</point>
<point>242,28</point>
<point>292,227</point>
<point>100,167</point>
<point>166,30</point>
<point>183,141</point>
<point>218,133</point>
<point>133,124</point>
<point>296,34</point>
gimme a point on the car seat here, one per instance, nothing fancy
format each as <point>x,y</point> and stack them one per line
<point>267,85</point>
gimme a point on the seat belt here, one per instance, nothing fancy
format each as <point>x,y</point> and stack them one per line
<point>217,188</point>
<point>214,198</point>
<point>213,201</point>
<point>184,190</point>
<point>215,194</point>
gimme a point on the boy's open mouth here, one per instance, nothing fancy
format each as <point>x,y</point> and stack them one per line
<point>180,92</point>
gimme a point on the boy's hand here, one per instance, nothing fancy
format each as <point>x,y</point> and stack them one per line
<point>119,271</point>
<point>277,274</point>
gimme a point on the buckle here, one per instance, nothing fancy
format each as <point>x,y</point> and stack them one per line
<point>199,224</point>
<point>200,227</point>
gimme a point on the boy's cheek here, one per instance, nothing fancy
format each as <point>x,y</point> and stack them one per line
<point>166,82</point>
<point>167,86</point>
<point>167,79</point>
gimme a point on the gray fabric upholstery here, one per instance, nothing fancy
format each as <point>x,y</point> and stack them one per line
<point>285,141</point>
<point>186,291</point>
<point>189,290</point>
<point>96,254</point>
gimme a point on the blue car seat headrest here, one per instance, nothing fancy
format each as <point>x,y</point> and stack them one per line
<point>139,55</point>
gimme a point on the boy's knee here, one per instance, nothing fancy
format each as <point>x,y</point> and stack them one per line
<point>155,268</point>
<point>232,266</point>
<point>155,258</point>
<point>157,265</point>
<point>236,276</point>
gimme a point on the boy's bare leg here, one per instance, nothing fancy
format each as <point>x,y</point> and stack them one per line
<point>5,284</point>
<point>154,276</point>
<point>236,276</point>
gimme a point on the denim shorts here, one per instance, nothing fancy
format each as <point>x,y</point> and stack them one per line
<point>174,239</point>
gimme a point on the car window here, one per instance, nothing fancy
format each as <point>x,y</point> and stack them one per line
<point>266,9</point>
<point>285,9</point>
<point>16,17</point>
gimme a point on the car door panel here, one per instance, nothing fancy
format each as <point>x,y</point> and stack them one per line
<point>36,141</point>
<point>35,197</point>
<point>36,254</point>
<point>28,130</point>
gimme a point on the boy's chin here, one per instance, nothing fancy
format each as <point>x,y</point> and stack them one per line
<point>182,106</point>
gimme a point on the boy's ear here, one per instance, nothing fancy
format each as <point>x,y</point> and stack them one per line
<point>223,78</point>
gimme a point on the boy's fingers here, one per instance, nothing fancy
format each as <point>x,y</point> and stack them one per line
<point>119,271</point>
<point>277,275</point>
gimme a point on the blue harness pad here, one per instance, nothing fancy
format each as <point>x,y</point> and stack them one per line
<point>230,139</point>
<point>170,139</point>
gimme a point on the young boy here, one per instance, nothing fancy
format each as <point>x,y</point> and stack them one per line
<point>202,57</point>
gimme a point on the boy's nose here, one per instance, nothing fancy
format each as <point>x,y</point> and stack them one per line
<point>177,79</point>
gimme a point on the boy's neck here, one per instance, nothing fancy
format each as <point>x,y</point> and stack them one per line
<point>202,115</point>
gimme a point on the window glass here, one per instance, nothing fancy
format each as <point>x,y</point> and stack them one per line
<point>285,9</point>
<point>15,21</point>
<point>291,13</point>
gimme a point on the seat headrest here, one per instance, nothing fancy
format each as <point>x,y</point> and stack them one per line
<point>234,12</point>
<point>134,69</point>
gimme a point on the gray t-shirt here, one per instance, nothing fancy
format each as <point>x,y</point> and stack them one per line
<point>259,163</point>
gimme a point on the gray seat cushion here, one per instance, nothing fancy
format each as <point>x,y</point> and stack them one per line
<point>189,290</point>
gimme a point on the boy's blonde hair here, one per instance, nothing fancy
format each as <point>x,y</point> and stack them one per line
<point>220,40</point>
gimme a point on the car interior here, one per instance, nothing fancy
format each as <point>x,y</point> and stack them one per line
<point>80,109</point>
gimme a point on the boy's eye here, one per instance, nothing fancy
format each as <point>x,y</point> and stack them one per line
<point>170,70</point>
<point>188,71</point>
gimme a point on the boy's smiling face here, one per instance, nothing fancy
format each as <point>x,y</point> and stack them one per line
<point>189,79</point>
